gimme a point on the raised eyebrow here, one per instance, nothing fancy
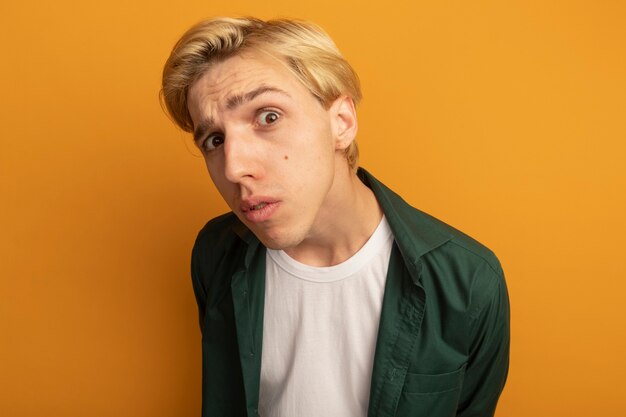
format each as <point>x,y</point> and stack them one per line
<point>239,99</point>
<point>231,103</point>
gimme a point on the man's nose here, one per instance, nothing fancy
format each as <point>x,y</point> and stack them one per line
<point>240,157</point>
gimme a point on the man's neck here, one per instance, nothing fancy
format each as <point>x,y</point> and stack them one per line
<point>343,227</point>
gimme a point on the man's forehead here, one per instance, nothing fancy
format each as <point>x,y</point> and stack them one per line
<point>240,78</point>
<point>243,72</point>
<point>236,89</point>
<point>237,99</point>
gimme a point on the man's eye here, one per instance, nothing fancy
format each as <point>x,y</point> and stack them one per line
<point>267,117</point>
<point>213,141</point>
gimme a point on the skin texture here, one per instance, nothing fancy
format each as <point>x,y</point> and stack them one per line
<point>270,145</point>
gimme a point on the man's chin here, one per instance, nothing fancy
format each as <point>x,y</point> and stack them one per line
<point>277,241</point>
<point>276,237</point>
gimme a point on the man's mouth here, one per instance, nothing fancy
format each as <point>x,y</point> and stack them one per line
<point>259,210</point>
<point>254,204</point>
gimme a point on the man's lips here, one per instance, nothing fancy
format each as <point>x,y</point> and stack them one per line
<point>259,209</point>
<point>257,203</point>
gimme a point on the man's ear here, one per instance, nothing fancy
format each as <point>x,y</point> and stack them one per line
<point>343,121</point>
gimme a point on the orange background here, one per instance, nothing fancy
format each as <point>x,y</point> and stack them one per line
<point>505,119</point>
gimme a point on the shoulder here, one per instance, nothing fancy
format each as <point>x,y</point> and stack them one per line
<point>218,245</point>
<point>218,231</point>
<point>420,234</point>
<point>463,268</point>
<point>463,247</point>
<point>452,263</point>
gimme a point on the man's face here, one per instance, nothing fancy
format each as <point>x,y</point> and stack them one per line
<point>270,147</point>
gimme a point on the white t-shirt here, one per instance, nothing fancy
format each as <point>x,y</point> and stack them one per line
<point>319,332</point>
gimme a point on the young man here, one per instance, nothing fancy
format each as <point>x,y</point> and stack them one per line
<point>322,293</point>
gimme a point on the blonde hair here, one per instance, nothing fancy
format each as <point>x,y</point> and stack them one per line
<point>305,48</point>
